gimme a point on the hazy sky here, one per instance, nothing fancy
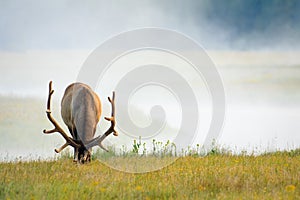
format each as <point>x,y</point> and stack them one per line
<point>73,24</point>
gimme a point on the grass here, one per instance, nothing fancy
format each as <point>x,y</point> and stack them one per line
<point>215,176</point>
<point>218,175</point>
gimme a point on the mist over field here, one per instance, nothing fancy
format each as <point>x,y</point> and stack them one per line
<point>254,45</point>
<point>246,25</point>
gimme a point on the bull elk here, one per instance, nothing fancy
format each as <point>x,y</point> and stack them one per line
<point>81,111</point>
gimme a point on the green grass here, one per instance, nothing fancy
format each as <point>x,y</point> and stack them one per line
<point>216,176</point>
<point>219,175</point>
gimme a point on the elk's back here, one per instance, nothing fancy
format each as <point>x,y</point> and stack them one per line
<point>81,111</point>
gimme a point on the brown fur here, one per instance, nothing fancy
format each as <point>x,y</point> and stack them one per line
<point>81,111</point>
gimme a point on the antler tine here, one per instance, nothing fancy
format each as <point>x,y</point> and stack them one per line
<point>62,147</point>
<point>98,140</point>
<point>57,128</point>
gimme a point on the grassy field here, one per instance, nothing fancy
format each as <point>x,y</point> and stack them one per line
<point>219,175</point>
<point>216,176</point>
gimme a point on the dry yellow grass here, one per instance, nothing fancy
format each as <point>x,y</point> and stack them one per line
<point>270,176</point>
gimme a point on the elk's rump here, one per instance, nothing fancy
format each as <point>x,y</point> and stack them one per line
<point>80,111</point>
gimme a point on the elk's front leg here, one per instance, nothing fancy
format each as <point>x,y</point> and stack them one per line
<point>76,152</point>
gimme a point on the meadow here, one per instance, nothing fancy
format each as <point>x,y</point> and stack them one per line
<point>214,176</point>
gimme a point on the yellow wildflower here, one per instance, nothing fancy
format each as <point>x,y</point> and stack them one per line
<point>95,183</point>
<point>202,188</point>
<point>290,188</point>
<point>138,188</point>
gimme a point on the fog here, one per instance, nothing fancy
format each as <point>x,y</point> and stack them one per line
<point>254,45</point>
<point>215,25</point>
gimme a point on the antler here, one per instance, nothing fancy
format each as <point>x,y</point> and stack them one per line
<point>57,128</point>
<point>98,140</point>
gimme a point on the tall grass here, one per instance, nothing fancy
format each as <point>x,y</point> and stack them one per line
<point>193,176</point>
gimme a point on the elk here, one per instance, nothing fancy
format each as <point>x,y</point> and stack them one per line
<point>81,111</point>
